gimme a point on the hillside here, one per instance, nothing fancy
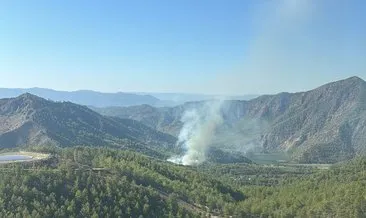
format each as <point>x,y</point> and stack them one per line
<point>165,119</point>
<point>323,125</point>
<point>86,182</point>
<point>31,120</point>
<point>100,182</point>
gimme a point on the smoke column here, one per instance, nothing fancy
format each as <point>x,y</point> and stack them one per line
<point>199,126</point>
<point>289,39</point>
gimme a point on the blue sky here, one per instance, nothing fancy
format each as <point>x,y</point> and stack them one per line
<point>206,46</point>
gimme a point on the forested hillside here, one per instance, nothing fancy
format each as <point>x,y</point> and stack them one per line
<point>297,192</point>
<point>86,182</point>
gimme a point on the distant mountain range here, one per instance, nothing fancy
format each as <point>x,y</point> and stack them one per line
<point>174,99</point>
<point>324,125</point>
<point>84,97</point>
<point>122,99</point>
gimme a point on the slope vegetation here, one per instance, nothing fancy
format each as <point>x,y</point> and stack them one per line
<point>100,182</point>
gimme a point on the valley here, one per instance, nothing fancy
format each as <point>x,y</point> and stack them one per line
<point>324,125</point>
<point>64,159</point>
<point>183,109</point>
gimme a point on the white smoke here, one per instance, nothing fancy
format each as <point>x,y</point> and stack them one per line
<point>283,48</point>
<point>199,126</point>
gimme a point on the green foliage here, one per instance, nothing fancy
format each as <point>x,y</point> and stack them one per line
<point>100,182</point>
<point>87,182</point>
<point>338,192</point>
<point>219,156</point>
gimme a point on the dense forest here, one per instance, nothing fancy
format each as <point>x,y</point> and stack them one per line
<point>100,182</point>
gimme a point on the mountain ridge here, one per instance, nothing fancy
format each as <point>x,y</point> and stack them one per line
<point>323,125</point>
<point>29,119</point>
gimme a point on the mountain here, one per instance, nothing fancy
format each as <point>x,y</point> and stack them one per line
<point>85,97</point>
<point>323,125</point>
<point>31,120</point>
<point>165,119</point>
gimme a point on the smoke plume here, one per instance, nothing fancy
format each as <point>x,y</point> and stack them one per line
<point>288,39</point>
<point>199,126</point>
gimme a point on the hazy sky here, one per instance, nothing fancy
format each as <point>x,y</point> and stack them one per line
<point>200,46</point>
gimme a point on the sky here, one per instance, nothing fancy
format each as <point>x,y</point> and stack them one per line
<point>208,46</point>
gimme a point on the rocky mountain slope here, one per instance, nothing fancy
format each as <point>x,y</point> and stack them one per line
<point>327,124</point>
<point>31,120</point>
